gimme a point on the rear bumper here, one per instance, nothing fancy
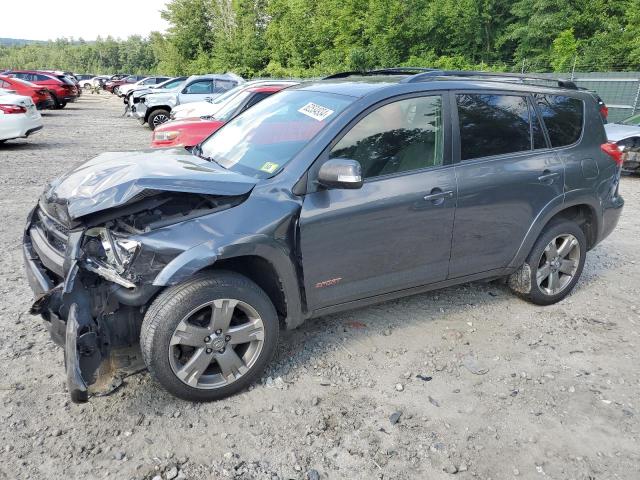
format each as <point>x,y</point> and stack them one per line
<point>610,217</point>
<point>19,126</point>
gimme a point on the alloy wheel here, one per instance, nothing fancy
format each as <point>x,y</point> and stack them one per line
<point>216,343</point>
<point>160,119</point>
<point>558,264</point>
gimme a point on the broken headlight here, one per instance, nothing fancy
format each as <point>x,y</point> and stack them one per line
<point>110,256</point>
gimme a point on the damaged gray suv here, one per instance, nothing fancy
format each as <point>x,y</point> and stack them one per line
<point>325,197</point>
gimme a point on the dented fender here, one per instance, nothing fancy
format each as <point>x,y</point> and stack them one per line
<point>204,255</point>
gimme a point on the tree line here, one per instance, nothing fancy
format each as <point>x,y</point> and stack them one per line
<point>302,38</point>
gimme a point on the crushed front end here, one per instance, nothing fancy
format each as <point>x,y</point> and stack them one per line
<point>98,241</point>
<point>97,322</point>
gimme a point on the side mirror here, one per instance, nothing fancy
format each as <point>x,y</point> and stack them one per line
<point>340,173</point>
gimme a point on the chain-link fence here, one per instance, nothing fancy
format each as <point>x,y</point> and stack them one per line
<point>619,90</point>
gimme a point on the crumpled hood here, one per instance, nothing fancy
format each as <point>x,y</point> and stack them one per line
<point>115,178</point>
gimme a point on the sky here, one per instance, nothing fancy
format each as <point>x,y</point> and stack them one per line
<point>38,20</point>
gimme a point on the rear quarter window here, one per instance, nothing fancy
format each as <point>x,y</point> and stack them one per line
<point>563,116</point>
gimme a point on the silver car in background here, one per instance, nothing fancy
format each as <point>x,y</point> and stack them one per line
<point>155,108</point>
<point>626,135</point>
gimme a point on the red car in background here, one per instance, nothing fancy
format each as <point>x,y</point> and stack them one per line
<point>189,132</point>
<point>62,90</point>
<point>112,84</point>
<point>40,95</point>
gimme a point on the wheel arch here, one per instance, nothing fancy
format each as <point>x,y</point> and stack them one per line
<point>152,109</point>
<point>269,266</point>
<point>584,211</point>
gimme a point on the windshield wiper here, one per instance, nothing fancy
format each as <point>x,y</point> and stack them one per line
<point>197,151</point>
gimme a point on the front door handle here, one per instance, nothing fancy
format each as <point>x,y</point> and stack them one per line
<point>437,196</point>
<point>548,177</point>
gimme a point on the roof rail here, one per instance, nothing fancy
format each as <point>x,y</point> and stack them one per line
<point>489,76</point>
<point>381,71</point>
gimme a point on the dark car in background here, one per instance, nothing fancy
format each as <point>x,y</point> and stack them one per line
<point>328,196</point>
<point>62,90</point>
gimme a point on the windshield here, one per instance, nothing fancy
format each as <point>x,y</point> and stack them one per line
<point>228,94</point>
<point>632,120</point>
<point>263,139</point>
<point>173,83</point>
<point>228,109</point>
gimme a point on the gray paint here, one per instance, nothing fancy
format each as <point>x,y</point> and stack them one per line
<point>382,241</point>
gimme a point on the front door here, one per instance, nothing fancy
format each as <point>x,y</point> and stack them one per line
<point>394,232</point>
<point>197,91</point>
<point>506,176</point>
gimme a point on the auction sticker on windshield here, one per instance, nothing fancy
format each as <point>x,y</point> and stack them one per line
<point>315,111</point>
<point>269,167</point>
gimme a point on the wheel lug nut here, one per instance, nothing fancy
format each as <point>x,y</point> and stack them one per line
<point>221,350</point>
<point>209,350</point>
<point>227,338</point>
<point>207,339</point>
<point>218,332</point>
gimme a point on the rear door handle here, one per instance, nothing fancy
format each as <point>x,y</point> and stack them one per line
<point>548,176</point>
<point>437,194</point>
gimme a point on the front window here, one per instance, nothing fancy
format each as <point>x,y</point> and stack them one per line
<point>266,137</point>
<point>198,88</point>
<point>398,137</point>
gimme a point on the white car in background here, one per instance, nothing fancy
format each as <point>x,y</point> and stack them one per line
<point>145,82</point>
<point>93,82</point>
<point>209,108</point>
<point>19,116</point>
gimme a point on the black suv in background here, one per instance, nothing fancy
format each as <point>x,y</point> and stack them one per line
<point>327,196</point>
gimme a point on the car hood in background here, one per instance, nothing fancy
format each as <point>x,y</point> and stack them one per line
<point>117,178</point>
<point>196,109</point>
<point>617,131</point>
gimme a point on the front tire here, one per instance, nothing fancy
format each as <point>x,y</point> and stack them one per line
<point>157,118</point>
<point>210,337</point>
<point>555,263</point>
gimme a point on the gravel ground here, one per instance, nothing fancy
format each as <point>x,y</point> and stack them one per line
<point>382,392</point>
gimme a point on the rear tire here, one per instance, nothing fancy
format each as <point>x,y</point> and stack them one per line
<point>157,117</point>
<point>56,102</point>
<point>192,348</point>
<point>555,264</point>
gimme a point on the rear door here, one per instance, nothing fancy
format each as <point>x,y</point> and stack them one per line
<point>506,174</point>
<point>395,232</point>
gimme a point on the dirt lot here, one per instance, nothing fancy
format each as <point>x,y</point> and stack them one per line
<point>560,397</point>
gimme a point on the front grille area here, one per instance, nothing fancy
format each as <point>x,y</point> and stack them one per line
<point>56,233</point>
<point>49,239</point>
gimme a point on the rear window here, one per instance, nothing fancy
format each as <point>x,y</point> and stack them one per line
<point>496,125</point>
<point>563,117</point>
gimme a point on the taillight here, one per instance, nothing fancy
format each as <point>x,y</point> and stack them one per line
<point>9,109</point>
<point>613,150</point>
<point>604,111</point>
